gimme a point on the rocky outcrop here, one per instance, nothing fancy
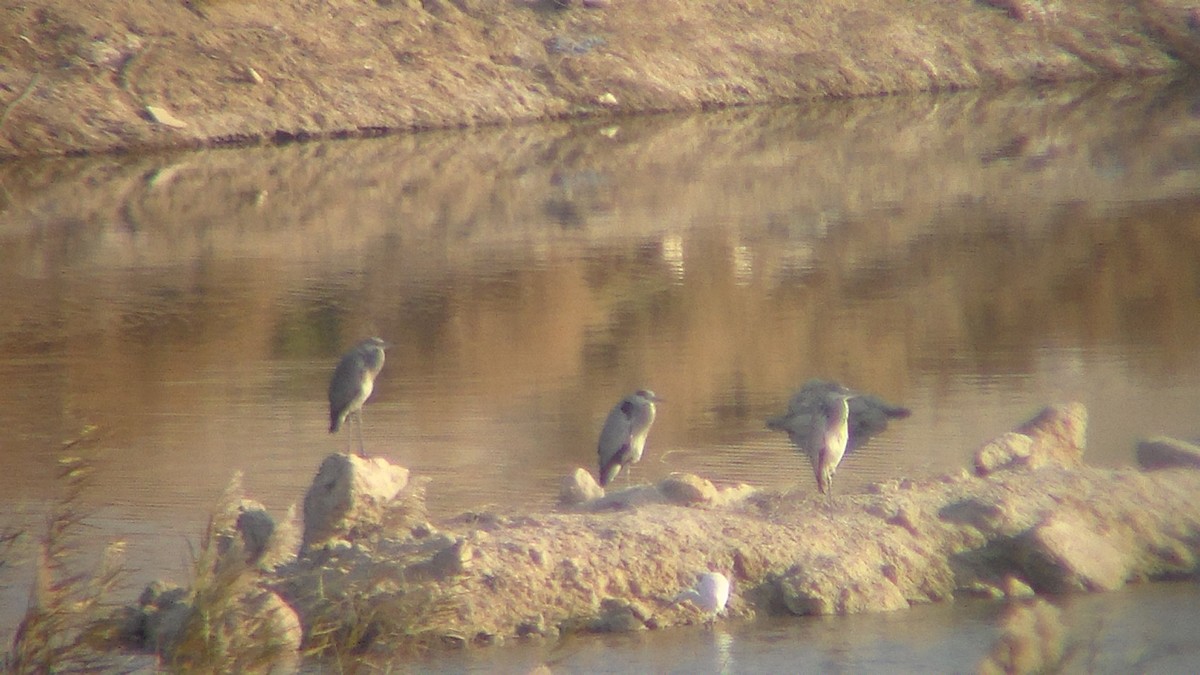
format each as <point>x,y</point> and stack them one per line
<point>228,619</point>
<point>1055,436</point>
<point>349,496</point>
<point>1167,453</point>
<point>618,561</point>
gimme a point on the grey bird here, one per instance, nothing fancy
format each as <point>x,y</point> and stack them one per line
<point>352,383</point>
<point>814,419</point>
<point>624,434</point>
<point>827,438</point>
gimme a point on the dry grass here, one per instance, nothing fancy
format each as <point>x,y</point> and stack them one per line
<point>231,625</point>
<point>63,630</point>
<point>369,604</point>
<point>407,618</point>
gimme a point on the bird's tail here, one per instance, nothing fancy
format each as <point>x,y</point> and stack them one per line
<point>608,472</point>
<point>778,423</point>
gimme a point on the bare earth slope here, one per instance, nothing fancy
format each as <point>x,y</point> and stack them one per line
<point>92,75</point>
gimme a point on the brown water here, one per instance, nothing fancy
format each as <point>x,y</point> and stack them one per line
<point>971,256</point>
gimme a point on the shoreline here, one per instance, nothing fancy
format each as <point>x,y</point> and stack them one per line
<point>87,77</point>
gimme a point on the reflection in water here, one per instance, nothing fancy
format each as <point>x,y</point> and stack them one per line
<point>969,256</point>
<point>1146,629</point>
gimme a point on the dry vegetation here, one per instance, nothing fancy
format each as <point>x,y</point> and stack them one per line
<point>63,629</point>
<point>89,75</point>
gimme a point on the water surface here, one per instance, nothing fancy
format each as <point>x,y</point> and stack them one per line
<point>972,256</point>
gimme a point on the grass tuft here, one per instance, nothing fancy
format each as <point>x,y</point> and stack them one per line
<point>233,624</point>
<point>64,628</point>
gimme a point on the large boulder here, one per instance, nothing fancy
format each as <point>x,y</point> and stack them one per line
<point>1056,436</point>
<point>1167,453</point>
<point>350,497</point>
<point>215,626</point>
<point>578,488</point>
<point>1067,552</point>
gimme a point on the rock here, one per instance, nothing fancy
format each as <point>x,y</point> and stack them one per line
<point>686,489</point>
<point>255,527</point>
<point>1022,10</point>
<point>1012,587</point>
<point>276,625</point>
<point>255,621</point>
<point>532,626</point>
<point>578,488</point>
<point>1055,436</point>
<point>451,560</point>
<point>1064,553</point>
<point>164,117</point>
<point>618,616</point>
<point>1167,453</point>
<point>1061,430</point>
<point>807,591</point>
<point>349,496</point>
<point>1003,451</point>
<point>158,619</point>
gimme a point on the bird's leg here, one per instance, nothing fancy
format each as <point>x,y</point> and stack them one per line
<point>362,449</point>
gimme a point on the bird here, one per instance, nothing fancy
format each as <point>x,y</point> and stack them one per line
<point>624,435</point>
<point>814,421</point>
<point>352,382</point>
<point>827,438</point>
<point>710,593</point>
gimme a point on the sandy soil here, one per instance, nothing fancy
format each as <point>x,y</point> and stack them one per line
<point>89,76</point>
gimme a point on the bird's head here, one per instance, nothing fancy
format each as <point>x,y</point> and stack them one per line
<point>376,342</point>
<point>648,395</point>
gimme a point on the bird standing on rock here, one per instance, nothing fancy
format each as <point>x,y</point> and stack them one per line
<point>827,439</point>
<point>624,434</point>
<point>827,420</point>
<point>352,383</point>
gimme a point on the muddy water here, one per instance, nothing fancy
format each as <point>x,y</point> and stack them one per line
<point>970,256</point>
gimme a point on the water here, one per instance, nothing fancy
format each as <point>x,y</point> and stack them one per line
<point>1148,629</point>
<point>972,256</point>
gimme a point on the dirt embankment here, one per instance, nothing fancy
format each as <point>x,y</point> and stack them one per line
<point>373,575</point>
<point>90,76</point>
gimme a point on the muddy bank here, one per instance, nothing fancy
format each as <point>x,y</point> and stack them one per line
<point>373,573</point>
<point>90,76</point>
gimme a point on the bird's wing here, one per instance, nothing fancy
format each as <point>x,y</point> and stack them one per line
<point>614,439</point>
<point>810,396</point>
<point>798,427</point>
<point>869,416</point>
<point>346,382</point>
